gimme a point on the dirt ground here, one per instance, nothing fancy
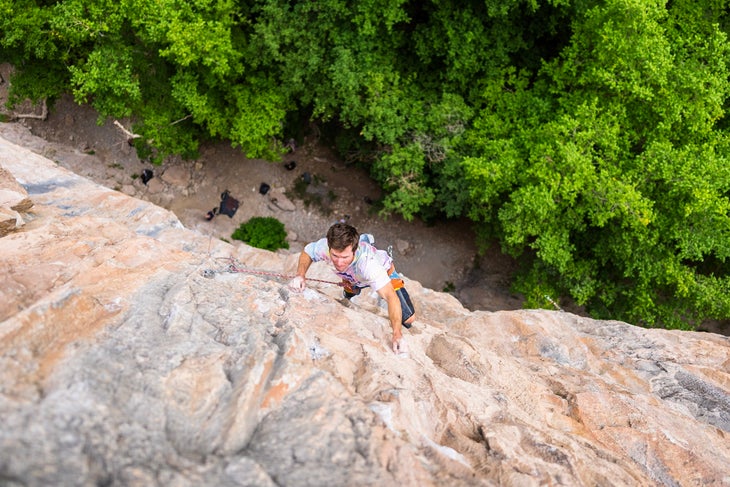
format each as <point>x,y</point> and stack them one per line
<point>442,256</point>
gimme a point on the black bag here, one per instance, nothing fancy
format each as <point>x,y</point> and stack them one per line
<point>229,204</point>
<point>147,175</point>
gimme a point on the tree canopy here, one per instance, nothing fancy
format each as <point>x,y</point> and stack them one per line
<point>589,139</point>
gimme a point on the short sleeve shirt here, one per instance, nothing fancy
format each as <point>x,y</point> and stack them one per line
<point>369,267</point>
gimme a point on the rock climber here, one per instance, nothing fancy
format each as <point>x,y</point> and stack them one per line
<point>360,264</point>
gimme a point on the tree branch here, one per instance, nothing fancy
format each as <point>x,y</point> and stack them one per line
<point>184,118</point>
<point>130,136</point>
<point>43,115</point>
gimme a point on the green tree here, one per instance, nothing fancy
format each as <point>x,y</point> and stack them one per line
<point>618,187</point>
<point>262,232</point>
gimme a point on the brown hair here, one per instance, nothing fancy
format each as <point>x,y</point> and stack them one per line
<point>341,235</point>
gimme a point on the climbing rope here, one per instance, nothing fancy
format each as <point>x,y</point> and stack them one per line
<point>233,266</point>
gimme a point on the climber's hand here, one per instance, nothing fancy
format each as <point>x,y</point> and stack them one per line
<point>399,345</point>
<point>297,284</point>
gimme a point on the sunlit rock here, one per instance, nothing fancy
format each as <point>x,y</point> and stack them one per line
<point>134,351</point>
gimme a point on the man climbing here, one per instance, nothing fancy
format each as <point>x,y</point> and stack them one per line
<point>360,265</point>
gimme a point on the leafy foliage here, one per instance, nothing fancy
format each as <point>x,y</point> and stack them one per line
<point>262,232</point>
<point>589,138</point>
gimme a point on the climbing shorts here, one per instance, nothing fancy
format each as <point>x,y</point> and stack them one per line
<point>406,305</point>
<point>407,310</point>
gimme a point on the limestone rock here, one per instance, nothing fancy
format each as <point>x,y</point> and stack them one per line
<point>13,195</point>
<point>176,175</point>
<point>154,186</point>
<point>133,351</point>
<point>13,201</point>
<point>403,246</point>
<point>279,200</point>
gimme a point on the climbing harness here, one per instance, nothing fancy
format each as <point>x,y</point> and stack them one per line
<point>234,266</point>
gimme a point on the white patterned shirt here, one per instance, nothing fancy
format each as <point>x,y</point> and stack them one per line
<point>369,267</point>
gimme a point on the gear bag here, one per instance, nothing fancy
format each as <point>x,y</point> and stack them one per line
<point>229,204</point>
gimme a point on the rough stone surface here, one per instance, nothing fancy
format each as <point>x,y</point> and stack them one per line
<point>14,200</point>
<point>132,354</point>
<point>176,176</point>
<point>403,246</point>
<point>280,200</point>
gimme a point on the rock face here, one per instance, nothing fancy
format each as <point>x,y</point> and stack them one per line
<point>13,201</point>
<point>130,354</point>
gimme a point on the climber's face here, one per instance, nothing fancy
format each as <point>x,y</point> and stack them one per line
<point>342,259</point>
